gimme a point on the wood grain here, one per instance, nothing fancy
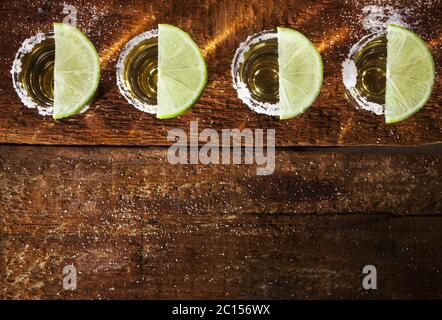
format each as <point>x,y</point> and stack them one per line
<point>138,227</point>
<point>218,27</point>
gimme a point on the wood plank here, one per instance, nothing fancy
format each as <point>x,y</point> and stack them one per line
<point>218,27</point>
<point>302,183</point>
<point>137,227</point>
<point>235,256</point>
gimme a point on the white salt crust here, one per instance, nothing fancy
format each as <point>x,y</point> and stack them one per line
<point>26,47</point>
<point>140,105</point>
<point>349,73</point>
<point>271,109</point>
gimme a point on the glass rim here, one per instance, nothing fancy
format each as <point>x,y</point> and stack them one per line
<point>120,68</point>
<point>26,47</point>
<point>350,92</point>
<point>243,92</point>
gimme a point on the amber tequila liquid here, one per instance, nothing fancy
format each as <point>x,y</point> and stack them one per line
<point>33,72</point>
<point>255,72</point>
<point>370,61</point>
<point>260,71</point>
<point>137,71</point>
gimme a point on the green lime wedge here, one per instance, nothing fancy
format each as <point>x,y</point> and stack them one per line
<point>300,73</point>
<point>182,72</point>
<point>77,71</point>
<point>410,74</point>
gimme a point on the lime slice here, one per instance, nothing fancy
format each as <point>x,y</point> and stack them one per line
<point>300,73</point>
<point>410,74</point>
<point>182,72</point>
<point>77,71</point>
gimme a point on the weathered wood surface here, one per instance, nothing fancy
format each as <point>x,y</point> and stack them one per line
<point>137,227</point>
<point>218,27</point>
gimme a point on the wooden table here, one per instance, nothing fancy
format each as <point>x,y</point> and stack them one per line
<point>97,191</point>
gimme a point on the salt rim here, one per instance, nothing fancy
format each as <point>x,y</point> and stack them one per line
<point>271,109</point>
<point>26,47</point>
<point>140,105</point>
<point>350,74</point>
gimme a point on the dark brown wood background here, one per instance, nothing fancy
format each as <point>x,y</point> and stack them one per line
<point>97,191</point>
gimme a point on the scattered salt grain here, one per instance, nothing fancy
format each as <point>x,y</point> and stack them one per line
<point>377,18</point>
